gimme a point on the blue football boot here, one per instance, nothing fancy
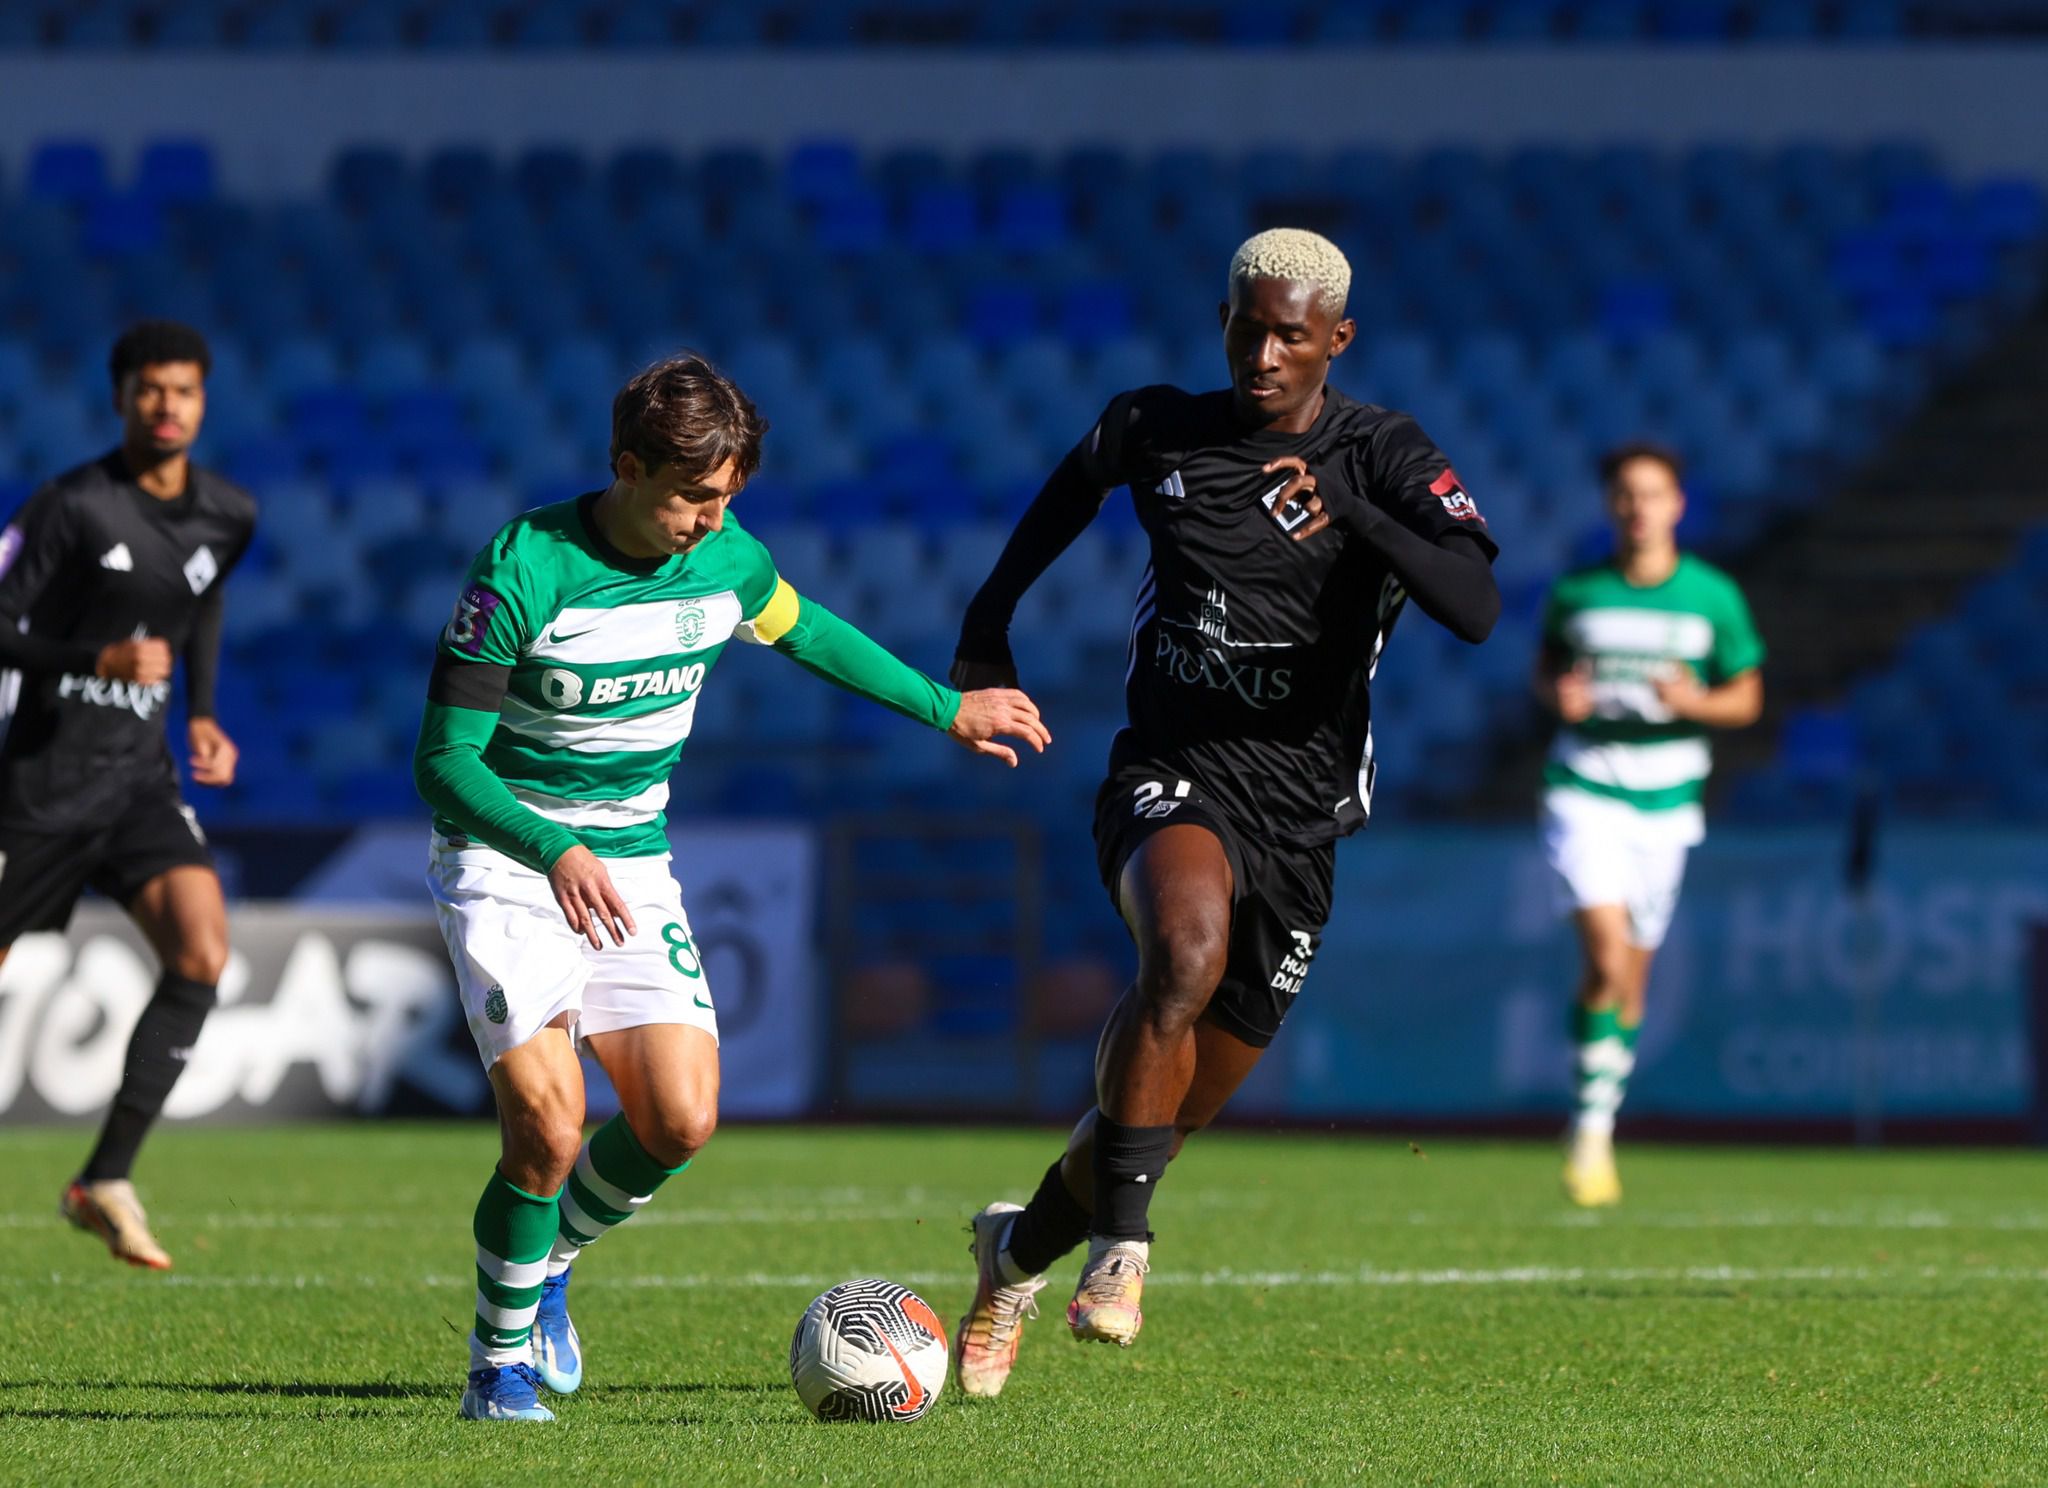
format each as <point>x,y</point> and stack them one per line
<point>504,1392</point>
<point>557,1352</point>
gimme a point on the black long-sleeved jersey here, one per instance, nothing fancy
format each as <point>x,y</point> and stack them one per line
<point>1251,654</point>
<point>89,560</point>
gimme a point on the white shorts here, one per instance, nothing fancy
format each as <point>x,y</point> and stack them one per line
<point>1608,852</point>
<point>518,965</point>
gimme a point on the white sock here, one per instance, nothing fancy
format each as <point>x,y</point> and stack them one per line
<point>1008,1271</point>
<point>1100,1246</point>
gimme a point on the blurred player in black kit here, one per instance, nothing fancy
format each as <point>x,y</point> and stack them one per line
<point>108,574</point>
<point>1289,525</point>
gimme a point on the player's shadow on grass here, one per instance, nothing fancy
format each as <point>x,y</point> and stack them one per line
<point>61,1413</point>
<point>368,1390</point>
<point>683,1387</point>
<point>363,1390</point>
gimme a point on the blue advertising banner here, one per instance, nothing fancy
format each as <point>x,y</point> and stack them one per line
<point>1444,984</point>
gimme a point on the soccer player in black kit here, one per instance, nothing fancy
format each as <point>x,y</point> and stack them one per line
<point>1289,526</point>
<point>107,574</point>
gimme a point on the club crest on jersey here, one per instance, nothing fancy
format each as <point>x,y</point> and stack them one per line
<point>1451,492</point>
<point>1171,488</point>
<point>201,569</point>
<point>689,624</point>
<point>1291,515</point>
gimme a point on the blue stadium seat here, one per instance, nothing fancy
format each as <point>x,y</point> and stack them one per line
<point>175,170</point>
<point>116,226</point>
<point>68,171</point>
<point>371,26</point>
<point>1785,22</point>
<point>391,365</point>
<point>940,218</point>
<point>95,28</point>
<point>2007,210</point>
<point>855,221</point>
<point>997,314</point>
<point>818,170</point>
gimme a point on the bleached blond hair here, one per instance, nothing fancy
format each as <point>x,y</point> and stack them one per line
<point>1295,254</point>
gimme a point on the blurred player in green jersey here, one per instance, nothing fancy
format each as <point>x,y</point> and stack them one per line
<point>1644,655</point>
<point>562,693</point>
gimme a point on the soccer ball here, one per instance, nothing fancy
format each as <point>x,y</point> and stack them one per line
<point>868,1351</point>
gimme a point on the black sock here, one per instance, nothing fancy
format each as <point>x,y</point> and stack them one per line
<point>1129,1161</point>
<point>157,1051</point>
<point>1052,1224</point>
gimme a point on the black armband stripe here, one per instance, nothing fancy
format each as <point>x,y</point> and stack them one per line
<point>467,684</point>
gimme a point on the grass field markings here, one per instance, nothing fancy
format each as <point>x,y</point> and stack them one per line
<point>944,1212</point>
<point>828,1206</point>
<point>1794,1219</point>
<point>171,1221</point>
<point>1224,1277</point>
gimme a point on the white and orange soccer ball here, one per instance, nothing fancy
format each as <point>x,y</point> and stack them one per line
<point>868,1351</point>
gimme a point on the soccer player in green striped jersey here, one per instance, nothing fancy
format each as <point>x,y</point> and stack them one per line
<point>1644,656</point>
<point>562,693</point>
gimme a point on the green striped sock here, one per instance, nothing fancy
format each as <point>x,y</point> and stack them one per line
<point>1606,1058</point>
<point>513,1232</point>
<point>612,1181</point>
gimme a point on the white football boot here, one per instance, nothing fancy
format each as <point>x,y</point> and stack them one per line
<point>985,1346</point>
<point>1106,1308</point>
<point>110,1210</point>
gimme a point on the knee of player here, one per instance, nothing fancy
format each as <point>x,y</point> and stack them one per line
<point>540,1150</point>
<point>1180,967</point>
<point>678,1133</point>
<point>1614,974</point>
<point>203,959</point>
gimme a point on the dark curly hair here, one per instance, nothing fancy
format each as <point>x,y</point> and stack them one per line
<point>684,410</point>
<point>150,343</point>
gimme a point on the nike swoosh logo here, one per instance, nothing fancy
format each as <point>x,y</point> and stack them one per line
<point>556,638</point>
<point>701,1000</point>
<point>915,1403</point>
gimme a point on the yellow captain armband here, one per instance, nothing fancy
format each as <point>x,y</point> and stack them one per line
<point>777,617</point>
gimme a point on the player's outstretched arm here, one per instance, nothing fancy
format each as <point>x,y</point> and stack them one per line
<point>825,645</point>
<point>994,712</point>
<point>1063,508</point>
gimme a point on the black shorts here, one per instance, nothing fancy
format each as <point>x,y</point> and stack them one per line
<point>43,873</point>
<point>1280,900</point>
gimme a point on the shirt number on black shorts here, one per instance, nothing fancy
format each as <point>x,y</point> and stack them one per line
<point>1148,800</point>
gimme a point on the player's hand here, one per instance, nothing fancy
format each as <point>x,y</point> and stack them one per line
<point>991,711</point>
<point>1575,694</point>
<point>983,660</point>
<point>213,753</point>
<point>145,662</point>
<point>588,900</point>
<point>1680,691</point>
<point>1297,496</point>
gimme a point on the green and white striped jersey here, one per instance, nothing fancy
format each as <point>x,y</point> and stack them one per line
<point>1631,749</point>
<point>608,658</point>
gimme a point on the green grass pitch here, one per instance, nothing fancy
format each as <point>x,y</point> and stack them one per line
<point>1322,1309</point>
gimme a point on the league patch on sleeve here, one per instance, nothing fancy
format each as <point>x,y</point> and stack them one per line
<point>1448,489</point>
<point>10,548</point>
<point>472,620</point>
